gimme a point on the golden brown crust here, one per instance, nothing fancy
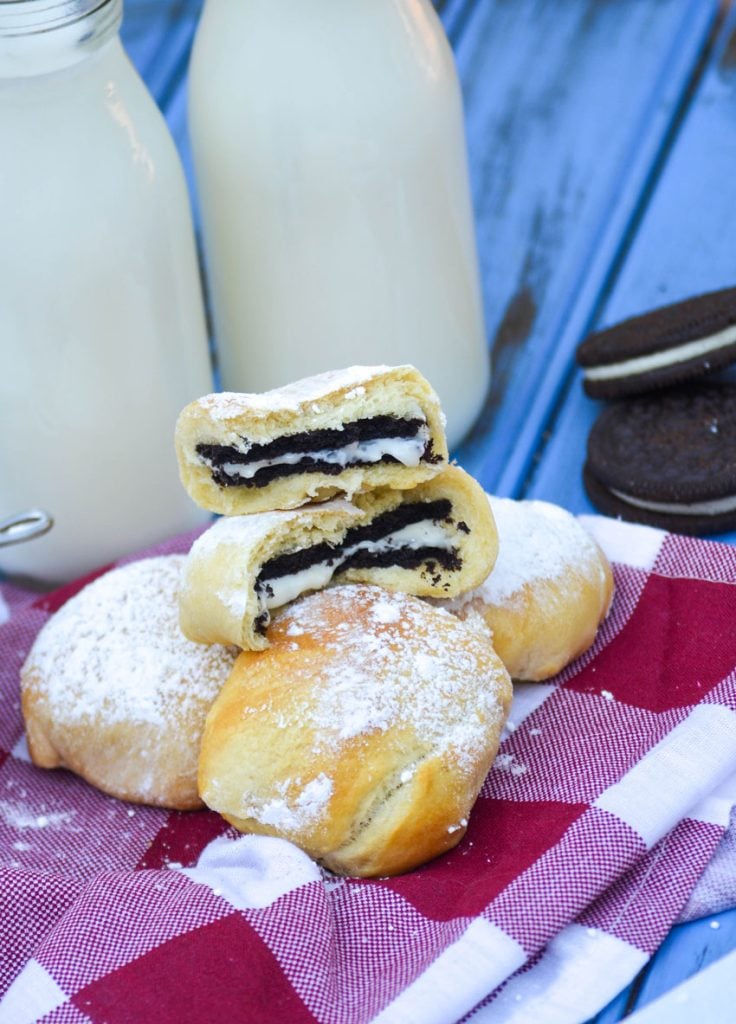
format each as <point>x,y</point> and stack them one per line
<point>112,691</point>
<point>548,593</point>
<point>363,734</point>
<point>133,762</point>
<point>325,401</point>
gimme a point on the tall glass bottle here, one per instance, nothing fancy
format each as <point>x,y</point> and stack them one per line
<point>332,176</point>
<point>102,333</point>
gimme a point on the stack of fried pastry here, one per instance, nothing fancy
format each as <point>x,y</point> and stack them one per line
<point>379,600</point>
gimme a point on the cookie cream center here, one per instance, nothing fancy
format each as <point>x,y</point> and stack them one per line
<point>406,450</point>
<point>417,536</point>
<point>668,357</point>
<point>695,508</point>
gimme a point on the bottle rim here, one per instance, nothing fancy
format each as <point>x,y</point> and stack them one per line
<point>32,17</point>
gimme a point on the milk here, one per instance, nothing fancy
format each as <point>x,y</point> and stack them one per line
<point>332,178</point>
<point>102,334</point>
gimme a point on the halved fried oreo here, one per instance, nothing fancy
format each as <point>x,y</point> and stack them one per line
<point>332,435</point>
<point>434,540</point>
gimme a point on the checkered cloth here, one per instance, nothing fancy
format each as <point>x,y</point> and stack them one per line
<point>611,792</point>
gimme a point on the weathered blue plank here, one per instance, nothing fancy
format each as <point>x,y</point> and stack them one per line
<point>684,245</point>
<point>685,951</point>
<point>707,996</point>
<point>615,1011</point>
<point>158,36</point>
<point>567,109</point>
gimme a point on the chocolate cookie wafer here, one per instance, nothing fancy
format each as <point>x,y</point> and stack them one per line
<point>662,348</point>
<point>668,460</point>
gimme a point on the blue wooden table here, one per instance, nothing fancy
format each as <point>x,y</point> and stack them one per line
<point>602,142</point>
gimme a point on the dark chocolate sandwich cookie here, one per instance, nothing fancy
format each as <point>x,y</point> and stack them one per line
<point>668,460</point>
<point>664,347</point>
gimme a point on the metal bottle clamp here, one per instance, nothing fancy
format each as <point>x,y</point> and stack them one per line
<point>24,526</point>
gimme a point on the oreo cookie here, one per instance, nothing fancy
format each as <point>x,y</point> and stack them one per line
<point>667,346</point>
<point>667,460</point>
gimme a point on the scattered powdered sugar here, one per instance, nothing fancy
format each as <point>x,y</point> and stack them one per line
<point>425,665</point>
<point>508,763</point>
<point>234,599</point>
<point>116,648</point>
<point>292,814</point>
<point>18,816</point>
<point>536,540</point>
<point>226,404</point>
<point>396,661</point>
<point>247,531</point>
<point>386,611</point>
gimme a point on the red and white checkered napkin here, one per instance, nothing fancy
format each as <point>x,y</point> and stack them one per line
<point>611,792</point>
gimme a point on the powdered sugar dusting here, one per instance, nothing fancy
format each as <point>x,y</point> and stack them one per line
<point>291,397</point>
<point>247,531</point>
<point>419,667</point>
<point>508,763</point>
<point>536,540</point>
<point>386,611</point>
<point>116,648</point>
<point>301,812</point>
<point>18,816</point>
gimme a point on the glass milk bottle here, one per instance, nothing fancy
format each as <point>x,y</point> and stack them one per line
<point>102,334</point>
<point>332,177</point>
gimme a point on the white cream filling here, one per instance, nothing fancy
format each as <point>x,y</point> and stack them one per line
<point>695,508</point>
<point>658,360</point>
<point>282,589</point>
<point>407,450</point>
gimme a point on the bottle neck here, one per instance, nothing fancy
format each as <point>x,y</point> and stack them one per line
<point>41,36</point>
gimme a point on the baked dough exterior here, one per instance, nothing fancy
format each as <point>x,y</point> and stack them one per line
<point>112,691</point>
<point>325,401</point>
<point>218,600</point>
<point>549,591</point>
<point>362,734</point>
